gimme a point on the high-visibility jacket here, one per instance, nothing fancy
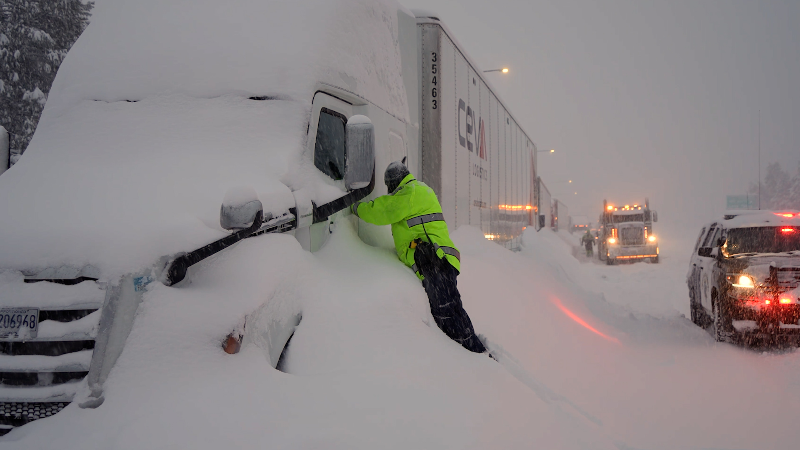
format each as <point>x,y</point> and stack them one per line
<point>414,213</point>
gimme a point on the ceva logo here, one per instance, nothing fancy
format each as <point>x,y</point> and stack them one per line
<point>468,139</point>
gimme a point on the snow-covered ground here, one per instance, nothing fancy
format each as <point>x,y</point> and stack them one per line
<point>594,357</point>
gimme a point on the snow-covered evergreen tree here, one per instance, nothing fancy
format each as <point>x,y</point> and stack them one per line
<point>35,36</point>
<point>794,191</point>
<point>780,190</point>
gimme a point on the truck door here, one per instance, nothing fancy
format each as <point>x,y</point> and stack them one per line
<point>706,264</point>
<point>326,144</point>
<point>694,266</point>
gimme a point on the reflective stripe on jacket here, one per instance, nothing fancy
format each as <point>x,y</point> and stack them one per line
<point>412,210</point>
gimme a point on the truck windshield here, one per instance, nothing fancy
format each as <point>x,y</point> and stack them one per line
<point>763,240</point>
<point>628,218</point>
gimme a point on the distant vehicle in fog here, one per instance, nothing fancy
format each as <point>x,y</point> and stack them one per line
<point>626,233</point>
<point>579,224</point>
<point>744,276</point>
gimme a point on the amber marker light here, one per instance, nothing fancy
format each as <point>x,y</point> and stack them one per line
<point>786,301</point>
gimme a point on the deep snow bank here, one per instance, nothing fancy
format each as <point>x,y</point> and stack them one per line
<point>366,368</point>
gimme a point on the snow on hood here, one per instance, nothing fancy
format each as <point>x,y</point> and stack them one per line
<point>118,185</point>
<point>134,49</point>
<point>148,123</point>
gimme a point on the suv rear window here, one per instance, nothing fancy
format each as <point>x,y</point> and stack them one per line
<point>763,240</point>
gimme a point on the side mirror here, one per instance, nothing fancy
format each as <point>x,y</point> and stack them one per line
<point>360,143</point>
<point>704,251</point>
<point>240,208</point>
<point>5,150</point>
<point>655,216</point>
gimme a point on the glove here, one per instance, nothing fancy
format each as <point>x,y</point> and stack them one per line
<point>354,208</point>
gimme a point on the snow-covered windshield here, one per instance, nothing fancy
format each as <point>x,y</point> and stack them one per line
<point>763,240</point>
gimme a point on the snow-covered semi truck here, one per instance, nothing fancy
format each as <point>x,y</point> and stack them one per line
<point>560,216</point>
<point>153,121</point>
<point>579,224</point>
<point>626,233</point>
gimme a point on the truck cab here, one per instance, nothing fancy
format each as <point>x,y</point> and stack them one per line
<point>626,233</point>
<point>151,157</point>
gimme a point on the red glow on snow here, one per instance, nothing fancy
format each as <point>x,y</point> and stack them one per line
<point>582,322</point>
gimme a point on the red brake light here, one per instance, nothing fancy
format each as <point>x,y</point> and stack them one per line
<point>768,301</point>
<point>786,301</point>
<point>787,215</point>
<point>787,230</point>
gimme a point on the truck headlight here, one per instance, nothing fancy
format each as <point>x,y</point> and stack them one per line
<point>742,281</point>
<point>612,240</point>
<point>651,238</point>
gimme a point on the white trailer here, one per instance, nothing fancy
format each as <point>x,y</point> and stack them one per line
<point>474,153</point>
<point>544,202</point>
<point>140,141</point>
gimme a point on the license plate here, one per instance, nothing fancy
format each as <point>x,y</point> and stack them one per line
<point>18,324</point>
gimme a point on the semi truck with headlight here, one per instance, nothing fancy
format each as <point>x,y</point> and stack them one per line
<point>626,233</point>
<point>142,138</point>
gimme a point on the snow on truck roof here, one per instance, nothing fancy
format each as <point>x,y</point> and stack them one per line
<point>134,49</point>
<point>148,123</point>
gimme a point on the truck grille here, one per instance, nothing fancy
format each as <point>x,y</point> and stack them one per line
<point>631,236</point>
<point>40,376</point>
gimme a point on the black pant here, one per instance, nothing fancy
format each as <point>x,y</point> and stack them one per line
<point>445,300</point>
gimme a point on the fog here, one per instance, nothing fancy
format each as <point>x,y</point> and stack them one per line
<point>657,100</point>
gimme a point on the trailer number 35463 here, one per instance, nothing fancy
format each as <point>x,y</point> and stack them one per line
<point>434,94</point>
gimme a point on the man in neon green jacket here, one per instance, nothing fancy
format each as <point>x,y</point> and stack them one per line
<point>423,244</point>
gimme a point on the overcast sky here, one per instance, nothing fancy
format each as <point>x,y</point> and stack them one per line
<point>639,99</point>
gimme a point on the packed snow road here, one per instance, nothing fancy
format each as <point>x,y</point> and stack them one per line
<point>625,351</point>
<point>593,357</point>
